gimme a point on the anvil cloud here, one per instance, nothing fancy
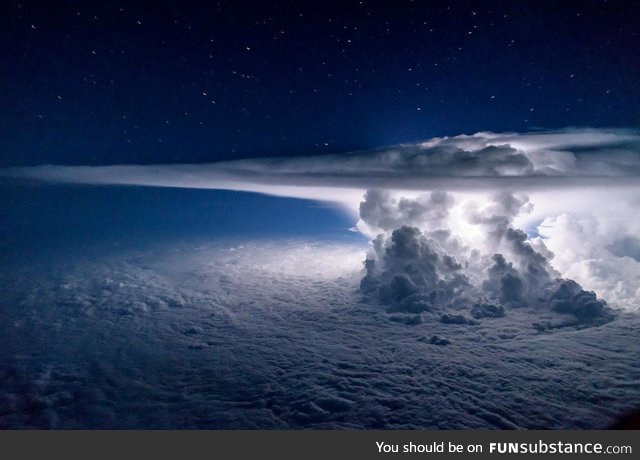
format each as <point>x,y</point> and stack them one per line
<point>541,160</point>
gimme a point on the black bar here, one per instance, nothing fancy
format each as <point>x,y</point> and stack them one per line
<point>325,445</point>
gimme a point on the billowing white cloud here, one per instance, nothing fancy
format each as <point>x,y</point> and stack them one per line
<point>598,252</point>
<point>427,265</point>
<point>571,196</point>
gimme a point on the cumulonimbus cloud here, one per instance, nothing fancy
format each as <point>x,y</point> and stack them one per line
<point>577,216</point>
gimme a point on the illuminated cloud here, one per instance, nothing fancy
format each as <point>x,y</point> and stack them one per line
<point>555,159</point>
<point>432,268</point>
<point>553,204</point>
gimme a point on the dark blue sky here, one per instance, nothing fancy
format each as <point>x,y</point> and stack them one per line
<point>119,82</point>
<point>35,220</point>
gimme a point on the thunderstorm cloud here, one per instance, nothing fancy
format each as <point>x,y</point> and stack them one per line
<point>511,219</point>
<point>489,255</point>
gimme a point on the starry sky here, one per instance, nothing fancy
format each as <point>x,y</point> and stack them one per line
<point>185,82</point>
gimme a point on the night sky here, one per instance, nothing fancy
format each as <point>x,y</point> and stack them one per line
<point>115,82</point>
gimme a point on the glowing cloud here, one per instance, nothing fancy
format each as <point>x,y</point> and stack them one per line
<point>518,210</point>
<point>560,159</point>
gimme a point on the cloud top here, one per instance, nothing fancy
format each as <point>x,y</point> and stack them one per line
<point>485,160</point>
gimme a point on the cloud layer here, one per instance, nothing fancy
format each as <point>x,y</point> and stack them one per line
<point>243,335</point>
<point>558,159</point>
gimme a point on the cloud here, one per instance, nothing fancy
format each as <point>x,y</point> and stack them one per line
<point>238,334</point>
<point>409,272</point>
<point>567,296</point>
<point>626,246</point>
<point>429,269</point>
<point>598,250</point>
<point>526,161</point>
<point>473,298</point>
<point>554,204</point>
<point>381,211</point>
